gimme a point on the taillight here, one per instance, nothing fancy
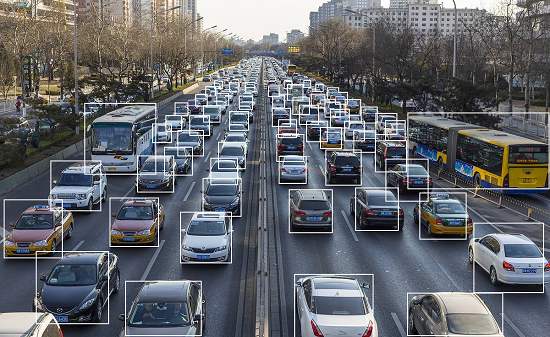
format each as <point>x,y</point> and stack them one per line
<point>438,221</point>
<point>299,213</point>
<point>401,213</point>
<point>547,267</point>
<point>368,212</point>
<point>470,222</point>
<point>315,329</point>
<point>331,168</point>
<point>429,181</point>
<point>280,147</point>
<point>508,266</point>
<point>404,181</point>
<point>283,170</point>
<point>368,332</point>
<point>327,214</point>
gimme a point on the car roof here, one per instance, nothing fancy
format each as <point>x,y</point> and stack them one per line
<point>163,291</point>
<point>336,287</point>
<point>81,258</point>
<point>41,209</point>
<point>511,238</point>
<point>377,192</point>
<point>461,303</point>
<point>82,168</point>
<point>138,202</point>
<point>208,216</point>
<point>312,195</point>
<point>19,323</point>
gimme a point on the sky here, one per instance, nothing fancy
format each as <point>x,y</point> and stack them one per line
<point>251,19</point>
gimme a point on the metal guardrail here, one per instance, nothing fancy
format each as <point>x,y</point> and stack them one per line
<point>535,126</point>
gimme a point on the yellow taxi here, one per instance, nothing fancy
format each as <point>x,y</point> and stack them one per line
<point>331,139</point>
<point>442,215</point>
<point>138,221</point>
<point>39,230</point>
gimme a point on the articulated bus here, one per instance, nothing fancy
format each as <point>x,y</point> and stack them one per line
<point>486,157</point>
<point>122,135</point>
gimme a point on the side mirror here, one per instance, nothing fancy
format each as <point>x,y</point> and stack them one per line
<point>365,285</point>
<point>113,215</point>
<point>122,317</point>
<point>299,284</point>
<point>476,240</point>
<point>54,182</point>
<point>43,277</point>
<point>11,226</point>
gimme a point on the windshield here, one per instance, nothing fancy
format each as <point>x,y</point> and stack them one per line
<point>206,228</point>
<point>172,314</point>
<point>396,151</point>
<point>75,179</point>
<point>173,118</point>
<point>339,305</point>
<point>224,166</point>
<point>291,141</point>
<point>471,324</point>
<point>239,118</point>
<point>528,154</point>
<point>73,275</point>
<point>35,221</point>
<point>135,213</point>
<point>315,205</point>
<point>231,151</point>
<point>382,200</point>
<point>199,121</point>
<point>187,138</point>
<point>417,171</point>
<point>211,111</point>
<point>522,250</point>
<point>219,190</point>
<point>449,208</point>
<point>111,138</point>
<point>154,166</point>
<point>235,139</point>
<point>347,161</point>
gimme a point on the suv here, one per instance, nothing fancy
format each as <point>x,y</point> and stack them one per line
<point>80,186</point>
<point>344,165</point>
<point>394,151</point>
<point>207,238</point>
<point>310,208</point>
<point>29,324</point>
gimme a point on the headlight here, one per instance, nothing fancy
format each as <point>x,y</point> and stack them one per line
<point>144,232</point>
<point>235,202</point>
<point>185,247</point>
<point>219,249</point>
<point>41,243</point>
<point>8,243</point>
<point>81,196</point>
<point>115,232</point>
<point>53,196</point>
<point>87,304</point>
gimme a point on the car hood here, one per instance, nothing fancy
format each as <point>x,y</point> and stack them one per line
<point>30,235</point>
<point>65,298</point>
<point>204,242</point>
<point>132,225</point>
<point>220,200</point>
<point>71,189</point>
<point>152,176</point>
<point>159,331</point>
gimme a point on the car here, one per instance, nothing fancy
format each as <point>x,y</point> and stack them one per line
<point>383,120</point>
<point>293,168</point>
<point>451,314</point>
<point>162,133</point>
<point>39,230</point>
<point>364,140</point>
<point>239,117</point>
<point>222,103</point>
<point>80,186</point>
<point>278,114</point>
<point>310,209</point>
<point>195,108</point>
<point>183,158</point>
<point>175,308</point>
<point>238,127</point>
<point>278,102</point>
<point>390,153</point>
<point>236,137</point>
<point>182,108</point>
<point>214,111</point>
<point>331,139</point>
<point>233,151</point>
<point>409,176</point>
<point>509,259</point>
<point>339,118</point>
<point>344,166</point>
<point>247,99</point>
<point>334,306</point>
<point>290,144</point>
<point>192,140</point>
<point>29,324</point>
<point>309,113</point>
<point>78,287</point>
<point>376,208</point>
<point>207,78</point>
<point>353,126</point>
<point>222,195</point>
<point>201,124</point>
<point>201,99</point>
<point>224,169</point>
<point>207,238</point>
<point>138,221</point>
<point>369,113</point>
<point>442,215</point>
<point>175,122</point>
<point>354,106</point>
<point>156,174</point>
<point>313,129</point>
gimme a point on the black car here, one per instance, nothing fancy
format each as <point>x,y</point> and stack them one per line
<point>390,152</point>
<point>194,107</point>
<point>222,195</point>
<point>364,140</point>
<point>78,287</point>
<point>290,144</point>
<point>406,176</point>
<point>158,173</point>
<point>280,113</point>
<point>313,129</point>
<point>376,208</point>
<point>343,165</point>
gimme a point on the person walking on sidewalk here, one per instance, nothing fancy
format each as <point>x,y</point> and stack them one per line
<point>18,104</point>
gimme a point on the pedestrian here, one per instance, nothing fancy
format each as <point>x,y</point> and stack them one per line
<point>18,105</point>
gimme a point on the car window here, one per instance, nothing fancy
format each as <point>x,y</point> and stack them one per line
<point>194,297</point>
<point>347,160</point>
<point>35,221</point>
<point>307,293</point>
<point>471,324</point>
<point>314,205</point>
<point>522,250</point>
<point>151,314</point>
<point>325,305</point>
<point>73,275</point>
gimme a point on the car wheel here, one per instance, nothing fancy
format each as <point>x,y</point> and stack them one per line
<point>90,206</point>
<point>69,231</point>
<point>412,328</point>
<point>117,283</point>
<point>493,276</point>
<point>98,312</point>
<point>471,255</point>
<point>54,246</point>
<point>477,180</point>
<point>351,208</point>
<point>415,216</point>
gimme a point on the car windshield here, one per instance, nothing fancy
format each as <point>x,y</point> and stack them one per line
<point>199,121</point>
<point>231,151</point>
<point>291,140</point>
<point>206,228</point>
<point>75,179</point>
<point>173,118</point>
<point>135,213</point>
<point>35,221</point>
<point>522,250</point>
<point>382,200</point>
<point>161,128</point>
<point>73,275</point>
<point>171,314</point>
<point>111,138</point>
<point>416,171</point>
<point>154,166</point>
<point>449,208</point>
<point>211,110</point>
<point>347,161</point>
<point>224,166</point>
<point>234,138</point>
<point>471,324</point>
<point>396,151</point>
<point>239,118</point>
<point>187,138</point>
<point>324,305</point>
<point>315,205</point>
<point>222,189</point>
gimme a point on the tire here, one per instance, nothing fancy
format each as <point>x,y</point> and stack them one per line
<point>477,180</point>
<point>54,246</point>
<point>471,255</point>
<point>415,217</point>
<point>351,208</point>
<point>104,196</point>
<point>440,162</point>
<point>90,206</point>
<point>70,231</point>
<point>98,312</point>
<point>493,276</point>
<point>117,283</point>
<point>411,327</point>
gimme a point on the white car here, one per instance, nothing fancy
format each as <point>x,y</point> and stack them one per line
<point>224,169</point>
<point>293,168</point>
<point>175,122</point>
<point>509,259</point>
<point>80,187</point>
<point>237,137</point>
<point>332,306</point>
<point>162,133</point>
<point>353,126</point>
<point>207,238</point>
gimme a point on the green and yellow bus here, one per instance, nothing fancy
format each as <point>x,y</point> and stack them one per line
<point>488,158</point>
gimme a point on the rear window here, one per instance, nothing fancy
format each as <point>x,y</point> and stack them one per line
<point>314,205</point>
<point>339,305</point>
<point>291,140</point>
<point>521,251</point>
<point>471,324</point>
<point>382,200</point>
<point>528,154</point>
<point>400,151</point>
<point>347,160</point>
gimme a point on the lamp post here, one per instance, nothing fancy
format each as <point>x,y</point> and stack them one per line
<point>454,39</point>
<point>202,47</point>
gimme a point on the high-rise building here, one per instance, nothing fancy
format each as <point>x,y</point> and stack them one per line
<point>40,8</point>
<point>406,3</point>
<point>294,36</point>
<point>270,40</point>
<point>336,9</point>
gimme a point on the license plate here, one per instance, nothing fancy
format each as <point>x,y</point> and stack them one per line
<point>111,169</point>
<point>62,318</point>
<point>385,213</point>
<point>313,218</point>
<point>203,257</point>
<point>128,238</point>
<point>291,147</point>
<point>529,270</point>
<point>528,180</point>
<point>23,251</point>
<point>346,169</point>
<point>418,182</point>
<point>219,210</point>
<point>455,222</point>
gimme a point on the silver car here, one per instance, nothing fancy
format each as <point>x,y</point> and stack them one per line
<point>293,168</point>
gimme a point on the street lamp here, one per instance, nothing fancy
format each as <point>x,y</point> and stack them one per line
<point>454,39</point>
<point>202,47</point>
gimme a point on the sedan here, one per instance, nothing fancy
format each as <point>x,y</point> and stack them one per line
<point>207,238</point>
<point>293,169</point>
<point>78,287</point>
<point>409,176</point>
<point>192,140</point>
<point>222,195</point>
<point>376,208</point>
<point>234,151</point>
<point>137,222</point>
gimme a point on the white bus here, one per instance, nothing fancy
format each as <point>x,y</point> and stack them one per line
<point>121,136</point>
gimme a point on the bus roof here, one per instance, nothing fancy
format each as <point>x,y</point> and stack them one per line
<point>127,114</point>
<point>444,123</point>
<point>498,137</point>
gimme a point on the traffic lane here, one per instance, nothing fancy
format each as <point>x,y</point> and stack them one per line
<point>423,264</point>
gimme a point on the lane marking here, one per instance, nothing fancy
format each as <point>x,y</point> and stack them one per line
<point>152,261</point>
<point>218,136</point>
<point>207,156</point>
<point>398,324</point>
<point>78,245</point>
<point>129,191</point>
<point>321,168</point>
<point>349,225</point>
<point>189,191</point>
<point>513,326</point>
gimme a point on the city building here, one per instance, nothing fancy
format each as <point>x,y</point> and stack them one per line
<point>40,9</point>
<point>270,40</point>
<point>405,3</point>
<point>294,36</point>
<point>336,9</point>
